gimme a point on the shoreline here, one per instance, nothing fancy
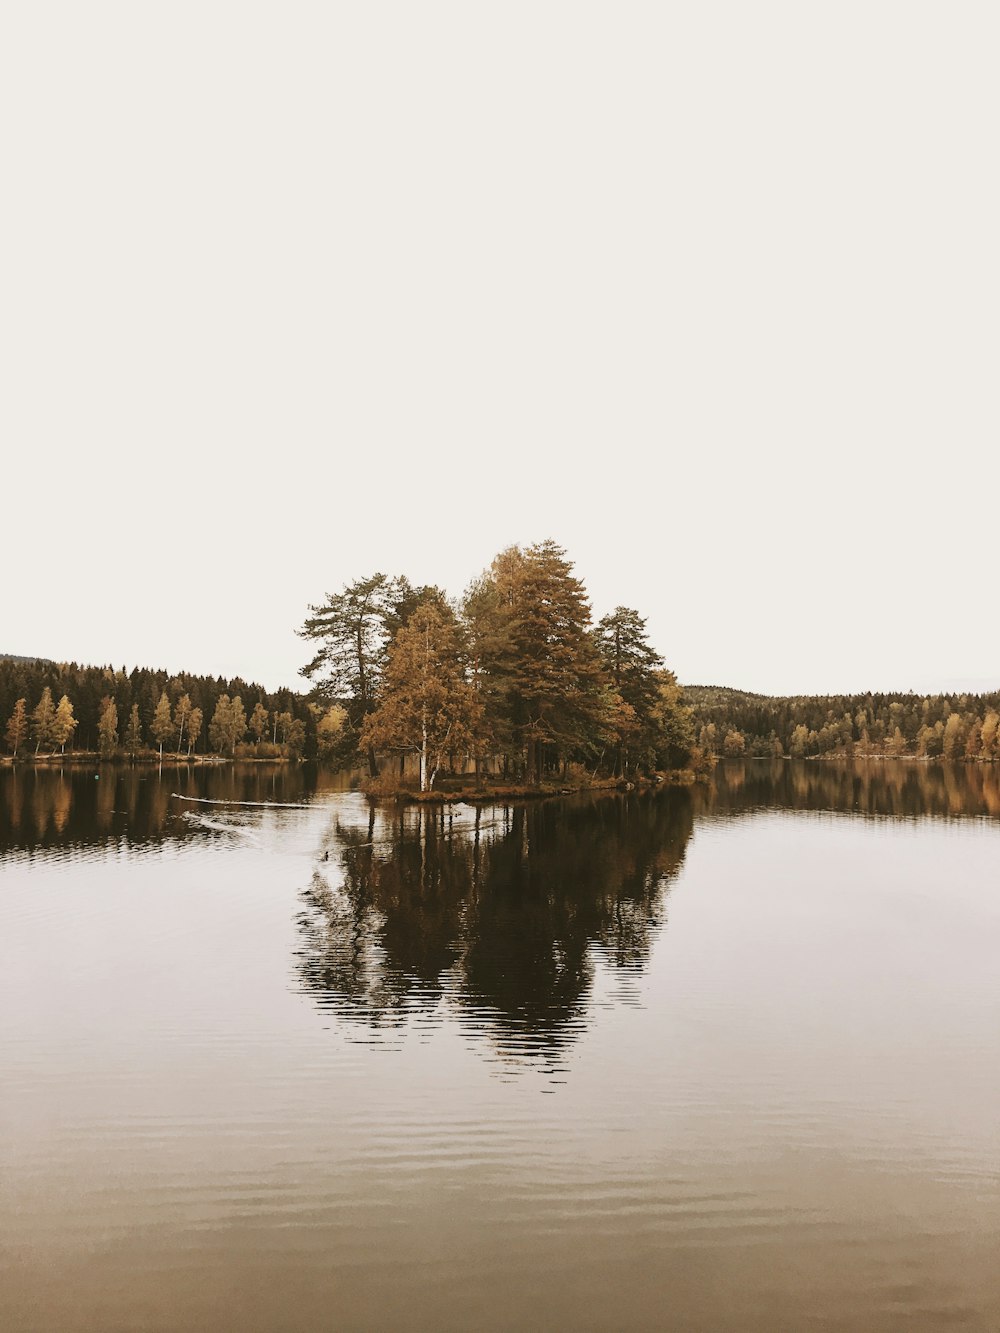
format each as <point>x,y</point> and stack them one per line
<point>513,791</point>
<point>86,758</point>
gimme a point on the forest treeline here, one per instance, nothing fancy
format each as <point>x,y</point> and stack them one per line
<point>512,678</point>
<point>951,726</point>
<point>57,707</point>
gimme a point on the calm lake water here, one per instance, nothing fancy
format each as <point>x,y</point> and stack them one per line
<point>722,1059</point>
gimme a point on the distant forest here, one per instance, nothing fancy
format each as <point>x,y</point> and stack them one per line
<point>951,726</point>
<point>48,707</point>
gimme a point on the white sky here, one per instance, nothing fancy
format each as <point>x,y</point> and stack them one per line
<point>709,293</point>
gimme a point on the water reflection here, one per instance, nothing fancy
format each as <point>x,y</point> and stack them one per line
<point>46,810</point>
<point>496,915</point>
<point>892,788</point>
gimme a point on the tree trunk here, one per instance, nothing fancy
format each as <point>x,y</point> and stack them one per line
<point>423,754</point>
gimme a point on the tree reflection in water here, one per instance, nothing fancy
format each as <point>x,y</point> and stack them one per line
<point>497,915</point>
<point>890,788</point>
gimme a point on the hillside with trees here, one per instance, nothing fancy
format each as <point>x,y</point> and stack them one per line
<point>49,708</point>
<point>512,680</point>
<point>950,726</point>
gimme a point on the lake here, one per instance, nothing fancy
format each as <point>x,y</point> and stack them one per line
<point>720,1058</point>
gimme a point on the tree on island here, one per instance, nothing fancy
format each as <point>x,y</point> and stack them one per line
<point>519,671</point>
<point>634,668</point>
<point>353,629</point>
<point>551,682</point>
<point>17,726</point>
<point>427,707</point>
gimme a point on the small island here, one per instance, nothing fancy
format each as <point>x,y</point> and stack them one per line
<point>509,689</point>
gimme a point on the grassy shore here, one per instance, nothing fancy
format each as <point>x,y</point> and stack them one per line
<point>390,789</point>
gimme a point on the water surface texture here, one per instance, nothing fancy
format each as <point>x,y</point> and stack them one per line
<point>712,1059</point>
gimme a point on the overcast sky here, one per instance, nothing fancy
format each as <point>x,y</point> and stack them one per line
<point>708,293</point>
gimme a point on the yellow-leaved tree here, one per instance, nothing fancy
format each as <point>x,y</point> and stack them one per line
<point>426,704</point>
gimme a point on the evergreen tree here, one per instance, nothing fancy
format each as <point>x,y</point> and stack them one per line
<point>547,684</point>
<point>633,666</point>
<point>353,629</point>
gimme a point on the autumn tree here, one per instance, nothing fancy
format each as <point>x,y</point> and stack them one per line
<point>897,742</point>
<point>427,705</point>
<point>670,728</point>
<point>490,613</point>
<point>42,720</point>
<point>295,737</point>
<point>973,738</point>
<point>228,725</point>
<point>63,724</point>
<point>162,726</point>
<point>547,684</point>
<point>989,735</point>
<point>330,731</point>
<point>221,724</point>
<point>260,722</point>
<point>708,738</point>
<point>734,743</point>
<point>194,728</point>
<point>953,740</point>
<point>182,712</point>
<point>17,726</point>
<point>107,729</point>
<point>133,733</point>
